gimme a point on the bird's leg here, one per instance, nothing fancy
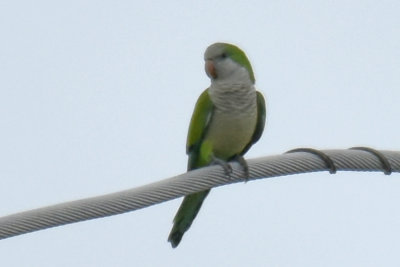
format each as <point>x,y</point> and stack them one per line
<point>225,165</point>
<point>243,163</point>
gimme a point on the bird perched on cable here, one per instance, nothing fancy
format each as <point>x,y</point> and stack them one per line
<point>228,118</point>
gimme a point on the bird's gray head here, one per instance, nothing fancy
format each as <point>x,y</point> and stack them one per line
<point>227,62</point>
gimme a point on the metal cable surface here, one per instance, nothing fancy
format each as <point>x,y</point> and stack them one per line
<point>197,180</point>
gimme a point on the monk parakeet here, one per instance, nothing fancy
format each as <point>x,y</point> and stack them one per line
<point>228,118</point>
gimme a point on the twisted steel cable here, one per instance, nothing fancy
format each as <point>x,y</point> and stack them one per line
<point>298,161</point>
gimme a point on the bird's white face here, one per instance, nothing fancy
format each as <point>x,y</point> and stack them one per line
<point>220,67</point>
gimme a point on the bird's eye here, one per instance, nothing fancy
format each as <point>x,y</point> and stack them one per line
<point>223,55</point>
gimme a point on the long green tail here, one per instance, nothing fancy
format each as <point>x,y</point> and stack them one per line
<point>188,210</point>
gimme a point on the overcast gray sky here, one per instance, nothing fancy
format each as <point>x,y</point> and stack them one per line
<point>96,97</point>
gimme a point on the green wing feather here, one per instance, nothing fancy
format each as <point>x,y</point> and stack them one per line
<point>261,113</point>
<point>191,204</point>
<point>198,127</point>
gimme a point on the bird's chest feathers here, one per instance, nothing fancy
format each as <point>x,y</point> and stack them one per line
<point>233,121</point>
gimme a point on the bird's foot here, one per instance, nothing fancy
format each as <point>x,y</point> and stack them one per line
<point>243,163</point>
<point>225,165</point>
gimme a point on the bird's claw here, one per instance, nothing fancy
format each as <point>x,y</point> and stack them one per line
<point>225,165</point>
<point>228,168</point>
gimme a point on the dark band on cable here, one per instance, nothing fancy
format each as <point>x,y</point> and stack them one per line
<point>328,161</point>
<point>386,167</point>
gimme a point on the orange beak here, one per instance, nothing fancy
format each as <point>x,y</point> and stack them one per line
<point>210,69</point>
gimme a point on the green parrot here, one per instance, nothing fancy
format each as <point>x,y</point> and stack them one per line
<point>228,118</point>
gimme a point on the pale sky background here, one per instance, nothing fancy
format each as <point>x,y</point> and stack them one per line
<point>96,97</point>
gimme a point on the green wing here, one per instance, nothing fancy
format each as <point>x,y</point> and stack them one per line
<point>198,127</point>
<point>191,203</point>
<point>261,113</point>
